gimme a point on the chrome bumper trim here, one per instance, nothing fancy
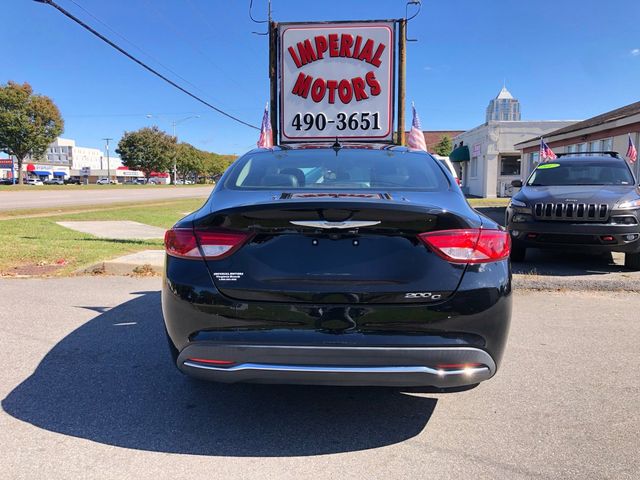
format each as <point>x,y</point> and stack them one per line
<point>470,371</point>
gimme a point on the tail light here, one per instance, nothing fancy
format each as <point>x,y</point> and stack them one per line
<point>202,244</point>
<point>458,181</point>
<point>473,245</point>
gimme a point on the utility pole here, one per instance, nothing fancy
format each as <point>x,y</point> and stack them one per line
<point>108,164</point>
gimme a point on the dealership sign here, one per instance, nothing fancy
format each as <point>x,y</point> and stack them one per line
<point>336,80</point>
<point>6,163</point>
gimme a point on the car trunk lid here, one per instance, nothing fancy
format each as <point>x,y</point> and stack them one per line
<point>335,249</point>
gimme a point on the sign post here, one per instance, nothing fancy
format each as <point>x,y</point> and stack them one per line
<point>336,81</point>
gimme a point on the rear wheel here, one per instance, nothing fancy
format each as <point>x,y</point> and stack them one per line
<point>632,261</point>
<point>518,251</point>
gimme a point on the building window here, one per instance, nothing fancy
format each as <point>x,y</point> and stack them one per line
<point>607,144</point>
<point>473,167</point>
<point>581,147</point>
<point>594,146</point>
<point>534,159</point>
<point>510,165</point>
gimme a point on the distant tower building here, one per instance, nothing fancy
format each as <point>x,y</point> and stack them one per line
<point>504,107</point>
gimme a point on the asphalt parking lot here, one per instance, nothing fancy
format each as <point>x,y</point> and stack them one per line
<point>88,391</point>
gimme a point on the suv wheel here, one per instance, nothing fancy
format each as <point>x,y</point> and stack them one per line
<point>518,251</point>
<point>632,261</point>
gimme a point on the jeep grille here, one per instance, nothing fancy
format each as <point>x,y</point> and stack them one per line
<point>580,212</point>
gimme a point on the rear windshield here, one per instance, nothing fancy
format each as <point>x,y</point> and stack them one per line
<point>575,172</point>
<point>346,170</point>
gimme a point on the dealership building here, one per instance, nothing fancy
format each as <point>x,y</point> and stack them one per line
<point>606,132</point>
<point>486,157</point>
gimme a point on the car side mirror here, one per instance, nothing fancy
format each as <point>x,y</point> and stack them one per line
<point>516,183</point>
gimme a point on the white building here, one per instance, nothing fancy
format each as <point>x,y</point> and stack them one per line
<point>63,158</point>
<point>504,107</point>
<point>487,158</point>
<point>76,157</point>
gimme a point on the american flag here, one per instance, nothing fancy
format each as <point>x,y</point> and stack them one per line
<point>632,152</point>
<point>416,137</point>
<point>545,152</point>
<point>266,134</point>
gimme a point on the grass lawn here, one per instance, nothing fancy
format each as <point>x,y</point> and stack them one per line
<point>39,246</point>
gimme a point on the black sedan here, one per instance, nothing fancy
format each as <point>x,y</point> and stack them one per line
<point>351,265</point>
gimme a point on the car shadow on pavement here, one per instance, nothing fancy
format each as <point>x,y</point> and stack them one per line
<point>563,263</point>
<point>112,381</point>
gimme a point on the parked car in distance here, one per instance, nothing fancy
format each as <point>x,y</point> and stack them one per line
<point>6,181</point>
<point>448,165</point>
<point>104,181</point>
<point>587,201</point>
<point>33,181</point>
<point>73,181</point>
<point>338,266</point>
<point>54,181</point>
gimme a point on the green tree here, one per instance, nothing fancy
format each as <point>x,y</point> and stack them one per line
<point>215,164</point>
<point>189,160</point>
<point>444,146</point>
<point>148,150</point>
<point>28,122</point>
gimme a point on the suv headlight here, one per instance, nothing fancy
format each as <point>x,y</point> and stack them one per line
<point>517,203</point>
<point>629,205</point>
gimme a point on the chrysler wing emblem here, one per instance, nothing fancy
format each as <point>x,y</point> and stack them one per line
<point>327,224</point>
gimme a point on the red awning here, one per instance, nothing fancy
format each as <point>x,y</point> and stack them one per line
<point>160,174</point>
<point>30,167</point>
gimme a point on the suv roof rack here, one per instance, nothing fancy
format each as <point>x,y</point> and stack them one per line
<point>605,152</point>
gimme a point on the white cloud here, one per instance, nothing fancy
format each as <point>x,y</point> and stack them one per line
<point>635,52</point>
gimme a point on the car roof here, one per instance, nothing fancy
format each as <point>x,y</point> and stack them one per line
<point>330,146</point>
<point>586,158</point>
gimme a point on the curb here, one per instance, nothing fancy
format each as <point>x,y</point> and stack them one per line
<point>572,283</point>
<point>144,263</point>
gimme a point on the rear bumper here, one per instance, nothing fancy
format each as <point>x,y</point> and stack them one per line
<point>447,367</point>
<point>338,344</point>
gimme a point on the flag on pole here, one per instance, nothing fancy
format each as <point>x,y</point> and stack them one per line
<point>545,152</point>
<point>266,134</point>
<point>416,137</point>
<point>632,152</point>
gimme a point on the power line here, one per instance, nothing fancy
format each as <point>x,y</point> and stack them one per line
<point>141,63</point>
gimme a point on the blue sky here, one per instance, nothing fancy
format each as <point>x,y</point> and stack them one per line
<point>568,59</point>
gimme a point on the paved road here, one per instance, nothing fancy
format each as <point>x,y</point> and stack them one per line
<point>67,196</point>
<point>89,392</point>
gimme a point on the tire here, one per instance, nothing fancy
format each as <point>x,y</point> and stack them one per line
<point>632,261</point>
<point>518,251</point>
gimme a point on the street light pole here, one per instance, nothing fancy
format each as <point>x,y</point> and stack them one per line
<point>108,164</point>
<point>173,127</point>
<point>175,156</point>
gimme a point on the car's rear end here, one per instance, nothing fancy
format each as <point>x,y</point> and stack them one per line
<point>348,267</point>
